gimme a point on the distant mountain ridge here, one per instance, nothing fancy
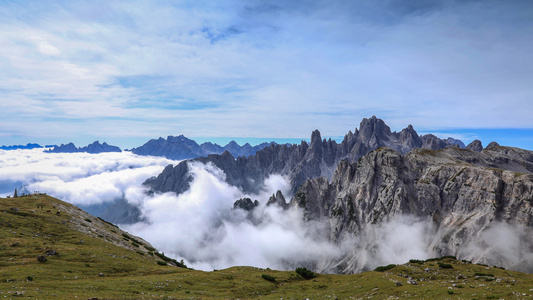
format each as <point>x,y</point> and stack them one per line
<point>181,147</point>
<point>93,148</point>
<point>28,146</point>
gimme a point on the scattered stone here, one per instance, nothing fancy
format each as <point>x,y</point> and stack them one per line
<point>413,282</point>
<point>398,283</point>
<point>41,258</point>
<point>101,274</point>
<point>15,209</point>
<point>51,253</point>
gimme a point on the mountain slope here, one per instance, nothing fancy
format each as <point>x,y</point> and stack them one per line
<point>93,259</point>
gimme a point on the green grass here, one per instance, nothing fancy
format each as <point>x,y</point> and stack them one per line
<point>99,263</point>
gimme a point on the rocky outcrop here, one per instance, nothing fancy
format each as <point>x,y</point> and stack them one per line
<point>93,148</point>
<point>277,200</point>
<point>492,144</point>
<point>180,148</point>
<point>246,204</point>
<point>463,192</point>
<point>299,162</point>
<point>475,146</point>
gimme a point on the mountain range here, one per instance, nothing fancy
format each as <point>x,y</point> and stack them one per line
<point>180,147</point>
<point>93,148</point>
<point>303,161</point>
<point>374,176</point>
<point>26,147</point>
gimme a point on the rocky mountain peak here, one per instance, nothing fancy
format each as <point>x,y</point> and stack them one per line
<point>374,129</point>
<point>278,200</point>
<point>492,144</point>
<point>475,146</point>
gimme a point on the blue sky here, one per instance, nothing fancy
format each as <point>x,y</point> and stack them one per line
<point>127,71</point>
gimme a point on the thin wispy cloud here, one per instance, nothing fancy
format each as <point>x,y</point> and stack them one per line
<point>256,68</point>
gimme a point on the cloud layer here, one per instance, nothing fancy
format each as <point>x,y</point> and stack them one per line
<point>162,67</point>
<point>78,178</point>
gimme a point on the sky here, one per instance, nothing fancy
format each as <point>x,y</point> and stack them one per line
<point>125,72</point>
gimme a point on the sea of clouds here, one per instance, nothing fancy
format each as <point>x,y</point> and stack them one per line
<point>201,226</point>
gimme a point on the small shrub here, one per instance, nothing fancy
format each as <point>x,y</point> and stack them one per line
<point>29,278</point>
<point>416,261</point>
<point>161,263</point>
<point>433,259</point>
<point>483,274</point>
<point>150,253</point>
<point>135,244</point>
<point>445,266</point>
<point>162,256</point>
<point>268,277</point>
<point>450,292</point>
<point>151,249</point>
<point>88,220</point>
<point>305,273</point>
<point>126,236</point>
<point>384,268</point>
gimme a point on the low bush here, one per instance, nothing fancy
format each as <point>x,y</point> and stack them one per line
<point>445,266</point>
<point>305,273</point>
<point>268,277</point>
<point>416,261</point>
<point>384,268</point>
<point>161,263</point>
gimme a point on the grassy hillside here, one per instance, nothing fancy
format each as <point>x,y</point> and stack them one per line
<point>87,257</point>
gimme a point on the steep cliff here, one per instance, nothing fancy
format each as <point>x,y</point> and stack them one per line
<point>461,193</point>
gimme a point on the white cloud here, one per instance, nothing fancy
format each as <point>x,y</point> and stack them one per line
<point>267,65</point>
<point>78,178</point>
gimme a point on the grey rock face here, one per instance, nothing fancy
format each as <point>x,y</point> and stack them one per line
<point>492,144</point>
<point>475,146</point>
<point>246,204</point>
<point>180,147</point>
<point>462,191</point>
<point>278,200</point>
